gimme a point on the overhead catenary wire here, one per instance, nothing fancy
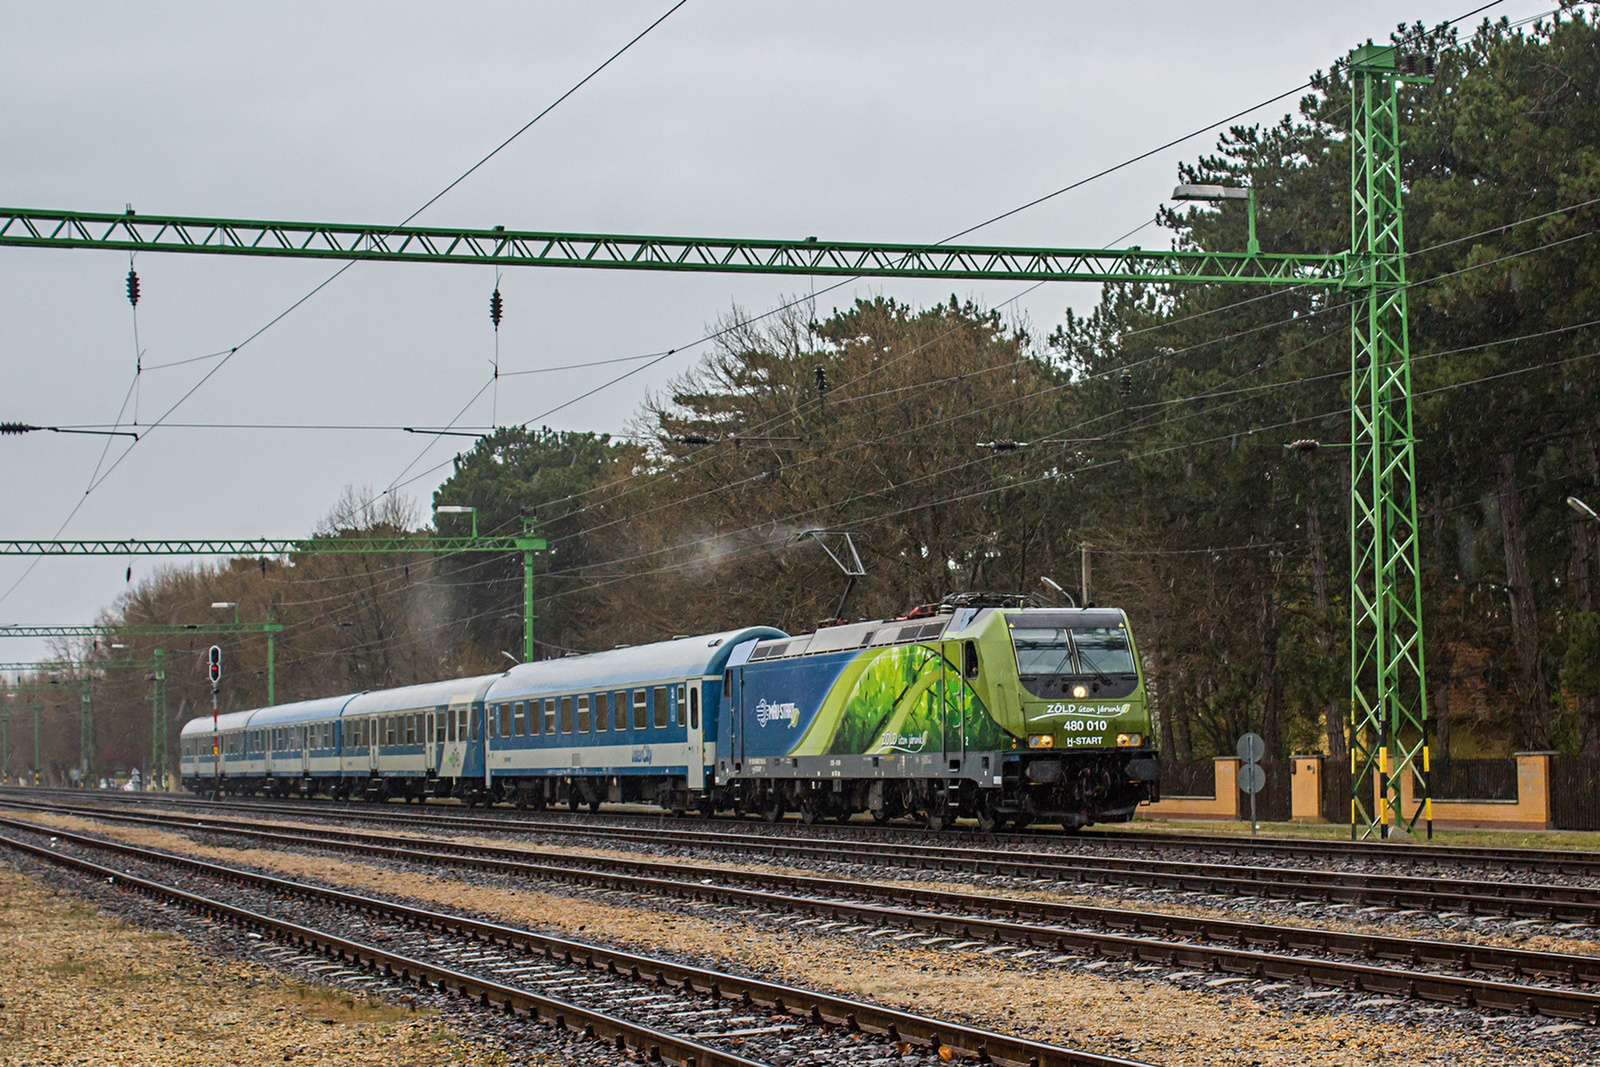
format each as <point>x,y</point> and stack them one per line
<point>98,478</point>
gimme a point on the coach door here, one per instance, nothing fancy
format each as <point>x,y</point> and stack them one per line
<point>695,737</point>
<point>373,737</point>
<point>305,749</point>
<point>454,749</point>
<point>431,740</point>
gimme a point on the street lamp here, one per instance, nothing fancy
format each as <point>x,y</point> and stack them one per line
<point>1224,192</point>
<point>224,605</point>
<point>1582,509</point>
<point>460,509</point>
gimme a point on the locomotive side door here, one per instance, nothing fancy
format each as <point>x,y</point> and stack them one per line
<point>953,699</point>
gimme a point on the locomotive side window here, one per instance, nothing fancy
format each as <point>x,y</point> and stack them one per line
<point>969,659</point>
<point>583,714</point>
<point>602,711</point>
<point>641,709</point>
<point>661,706</point>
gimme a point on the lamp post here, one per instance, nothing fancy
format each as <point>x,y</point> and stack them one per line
<point>1215,193</point>
<point>460,509</point>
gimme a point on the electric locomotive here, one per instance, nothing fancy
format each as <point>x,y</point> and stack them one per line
<point>978,707</point>
<point>1000,713</point>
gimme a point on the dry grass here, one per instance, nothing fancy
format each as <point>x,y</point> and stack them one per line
<point>1133,1016</point>
<point>81,988</point>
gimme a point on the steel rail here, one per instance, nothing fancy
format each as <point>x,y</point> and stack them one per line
<point>1514,899</point>
<point>1131,940</point>
<point>821,1008</point>
<point>623,1035</point>
<point>1566,862</point>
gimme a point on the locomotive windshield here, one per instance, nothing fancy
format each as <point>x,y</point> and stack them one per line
<point>1066,649</point>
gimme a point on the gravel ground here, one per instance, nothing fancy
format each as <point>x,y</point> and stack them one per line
<point>1143,1012</point>
<point>1479,929</point>
<point>93,976</point>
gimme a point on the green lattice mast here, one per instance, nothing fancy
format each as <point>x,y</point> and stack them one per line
<point>1388,698</point>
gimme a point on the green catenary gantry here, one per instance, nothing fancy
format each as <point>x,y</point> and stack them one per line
<point>1388,708</point>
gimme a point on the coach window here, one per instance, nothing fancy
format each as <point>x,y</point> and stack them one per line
<point>550,715</point>
<point>505,720</point>
<point>694,707</point>
<point>641,709</point>
<point>602,712</point>
<point>661,706</point>
<point>583,714</point>
<point>519,719</point>
<point>619,711</point>
<point>682,706</point>
<point>472,720</point>
<point>566,715</point>
<point>451,715</point>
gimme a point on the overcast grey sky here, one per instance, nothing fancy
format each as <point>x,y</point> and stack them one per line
<point>845,120</point>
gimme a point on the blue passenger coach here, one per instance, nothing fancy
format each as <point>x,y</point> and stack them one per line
<point>631,724</point>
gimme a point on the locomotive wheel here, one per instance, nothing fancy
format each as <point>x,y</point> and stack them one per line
<point>881,815</point>
<point>774,809</point>
<point>989,820</point>
<point>810,811</point>
<point>937,820</point>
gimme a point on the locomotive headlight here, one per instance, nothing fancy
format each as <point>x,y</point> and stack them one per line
<point>1079,692</point>
<point>1129,740</point>
<point>1041,741</point>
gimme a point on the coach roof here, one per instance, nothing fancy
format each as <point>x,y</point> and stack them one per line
<point>427,696</point>
<point>621,668</point>
<point>301,711</point>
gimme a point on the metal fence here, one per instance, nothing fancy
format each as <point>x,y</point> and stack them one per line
<point>1473,779</point>
<point>1574,793</point>
<point>1336,791</point>
<point>1275,802</point>
<point>1198,779</point>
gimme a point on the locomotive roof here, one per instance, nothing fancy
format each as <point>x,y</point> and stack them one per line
<point>620,668</point>
<point>416,697</point>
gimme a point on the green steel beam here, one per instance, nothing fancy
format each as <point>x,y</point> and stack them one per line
<point>141,629</point>
<point>271,546</point>
<point>28,228</point>
<point>1388,697</point>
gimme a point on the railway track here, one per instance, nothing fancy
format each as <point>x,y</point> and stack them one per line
<point>659,1009</point>
<point>1551,902</point>
<point>1255,950</point>
<point>1560,862</point>
<point>1563,862</point>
